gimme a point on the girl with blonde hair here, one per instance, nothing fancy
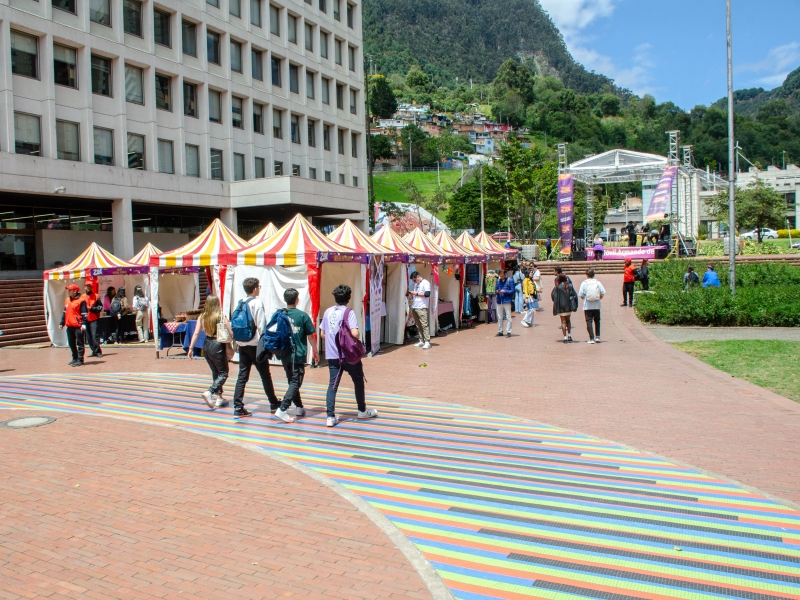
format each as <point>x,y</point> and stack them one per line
<point>214,350</point>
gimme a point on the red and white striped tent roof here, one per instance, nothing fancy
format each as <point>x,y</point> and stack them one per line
<point>298,243</point>
<point>217,245</point>
<point>470,243</point>
<point>389,238</point>
<point>92,262</point>
<point>448,244</point>
<point>490,244</point>
<point>263,235</point>
<point>143,256</point>
<point>350,236</point>
<point>421,242</point>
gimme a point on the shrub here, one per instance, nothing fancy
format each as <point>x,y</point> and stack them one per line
<point>784,233</point>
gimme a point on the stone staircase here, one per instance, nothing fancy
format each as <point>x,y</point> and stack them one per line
<point>616,266</point>
<point>22,312</point>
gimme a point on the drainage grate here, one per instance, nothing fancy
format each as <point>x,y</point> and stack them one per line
<point>25,422</point>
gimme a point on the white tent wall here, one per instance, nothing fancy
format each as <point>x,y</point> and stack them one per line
<point>396,303</point>
<point>425,270</point>
<point>450,290</point>
<point>352,274</point>
<point>177,292</point>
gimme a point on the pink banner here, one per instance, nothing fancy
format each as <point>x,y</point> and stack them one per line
<point>566,210</point>
<point>626,252</point>
<point>659,204</point>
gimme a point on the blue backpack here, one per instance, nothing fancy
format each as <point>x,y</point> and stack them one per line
<point>278,338</point>
<point>242,323</point>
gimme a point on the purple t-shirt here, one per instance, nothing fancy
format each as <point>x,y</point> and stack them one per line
<point>330,325</point>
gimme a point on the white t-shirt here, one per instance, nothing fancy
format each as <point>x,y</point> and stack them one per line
<point>330,325</point>
<point>259,318</point>
<point>421,301</point>
<point>584,291</point>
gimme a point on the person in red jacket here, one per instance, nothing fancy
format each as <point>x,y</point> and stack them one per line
<point>94,307</point>
<point>73,321</point>
<point>628,281</point>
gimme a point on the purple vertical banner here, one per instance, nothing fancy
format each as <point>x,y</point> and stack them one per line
<point>566,211</point>
<point>660,202</point>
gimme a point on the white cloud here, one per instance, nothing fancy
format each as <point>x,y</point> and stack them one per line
<point>779,61</point>
<point>572,16</point>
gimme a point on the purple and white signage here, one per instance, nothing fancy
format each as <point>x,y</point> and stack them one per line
<point>661,199</point>
<point>566,211</point>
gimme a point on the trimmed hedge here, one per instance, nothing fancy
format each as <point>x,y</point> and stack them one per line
<point>784,233</point>
<point>767,295</point>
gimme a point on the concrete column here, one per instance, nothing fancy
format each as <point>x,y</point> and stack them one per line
<point>229,218</point>
<point>6,91</point>
<point>122,223</point>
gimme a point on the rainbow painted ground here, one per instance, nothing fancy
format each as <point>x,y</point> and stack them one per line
<point>501,507</point>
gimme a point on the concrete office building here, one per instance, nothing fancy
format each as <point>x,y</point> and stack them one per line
<point>127,121</point>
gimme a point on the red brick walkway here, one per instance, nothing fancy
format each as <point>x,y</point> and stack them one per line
<point>633,389</point>
<point>104,508</point>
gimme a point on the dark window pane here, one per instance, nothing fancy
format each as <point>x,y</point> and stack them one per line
<point>189,36</point>
<point>67,5</point>
<point>276,72</point>
<point>189,99</point>
<point>100,12</point>
<point>132,17</point>
<point>212,43</point>
<point>65,66</point>
<point>256,58</point>
<point>163,92</point>
<point>161,28</point>
<point>24,55</point>
<point>101,76</point>
<point>216,164</point>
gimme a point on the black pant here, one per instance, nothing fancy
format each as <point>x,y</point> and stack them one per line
<point>75,340</point>
<point>247,358</point>
<point>295,373</point>
<point>217,360</point>
<point>120,331</point>
<point>593,316</point>
<point>598,254</point>
<point>356,373</point>
<point>91,337</point>
<point>646,284</point>
<point>627,293</point>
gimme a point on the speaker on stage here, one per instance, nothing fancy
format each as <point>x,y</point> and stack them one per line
<point>579,255</point>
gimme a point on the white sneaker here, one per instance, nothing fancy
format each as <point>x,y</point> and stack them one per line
<point>284,416</point>
<point>208,398</point>
<point>332,421</point>
<point>419,344</point>
<point>370,413</point>
<point>299,411</point>
<point>426,346</point>
<point>597,340</point>
<point>590,342</point>
<point>524,324</point>
<point>221,402</point>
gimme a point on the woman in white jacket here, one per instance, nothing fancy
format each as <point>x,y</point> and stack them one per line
<point>140,305</point>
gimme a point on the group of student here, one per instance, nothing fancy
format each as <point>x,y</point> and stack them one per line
<point>82,313</point>
<point>258,340</point>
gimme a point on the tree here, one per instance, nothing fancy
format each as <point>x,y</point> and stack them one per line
<point>382,102</point>
<point>757,206</point>
<point>415,138</point>
<point>417,79</point>
<point>381,148</point>
<point>465,208</point>
<point>415,197</point>
<point>438,202</point>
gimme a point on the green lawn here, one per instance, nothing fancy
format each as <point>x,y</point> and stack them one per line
<point>387,184</point>
<point>771,364</point>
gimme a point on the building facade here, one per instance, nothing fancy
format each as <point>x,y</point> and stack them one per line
<point>125,119</point>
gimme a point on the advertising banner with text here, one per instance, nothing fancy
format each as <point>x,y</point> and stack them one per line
<point>566,210</point>
<point>659,204</point>
<point>375,301</point>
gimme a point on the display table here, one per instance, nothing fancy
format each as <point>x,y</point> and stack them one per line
<point>446,314</point>
<point>106,326</point>
<point>179,335</point>
<point>444,307</point>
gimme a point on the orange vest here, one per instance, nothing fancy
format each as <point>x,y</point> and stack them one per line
<point>91,300</point>
<point>72,315</point>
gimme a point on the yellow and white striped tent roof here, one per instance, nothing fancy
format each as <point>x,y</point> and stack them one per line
<point>388,238</point>
<point>350,236</point>
<point>421,242</point>
<point>448,244</point>
<point>263,235</point>
<point>143,256</point>
<point>490,244</point>
<point>217,245</point>
<point>92,262</point>
<point>470,243</point>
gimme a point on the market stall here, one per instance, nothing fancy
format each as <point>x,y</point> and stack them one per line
<point>301,257</point>
<point>389,299</point>
<point>214,250</point>
<point>475,274</point>
<point>95,263</point>
<point>472,259</point>
<point>493,247</point>
<point>263,235</point>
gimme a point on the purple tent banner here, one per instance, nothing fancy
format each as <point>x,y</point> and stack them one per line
<point>634,253</point>
<point>566,210</point>
<point>661,198</point>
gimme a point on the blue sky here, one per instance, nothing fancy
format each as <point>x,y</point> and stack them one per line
<point>675,49</point>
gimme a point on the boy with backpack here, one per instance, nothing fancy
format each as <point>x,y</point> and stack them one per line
<point>248,325</point>
<point>592,292</point>
<point>343,349</point>
<point>294,364</point>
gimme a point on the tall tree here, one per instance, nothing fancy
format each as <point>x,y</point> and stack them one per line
<point>757,206</point>
<point>381,148</point>
<point>382,102</point>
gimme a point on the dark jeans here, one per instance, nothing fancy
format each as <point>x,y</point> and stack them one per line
<point>75,340</point>
<point>598,254</point>
<point>217,360</point>
<point>646,284</point>
<point>120,331</point>
<point>356,373</point>
<point>593,316</point>
<point>627,292</point>
<point>91,337</point>
<point>247,358</point>
<point>295,373</point>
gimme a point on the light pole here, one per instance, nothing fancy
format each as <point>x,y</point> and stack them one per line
<point>731,158</point>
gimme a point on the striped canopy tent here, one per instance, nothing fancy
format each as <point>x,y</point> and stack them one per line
<point>446,242</point>
<point>143,256</point>
<point>470,243</point>
<point>92,262</point>
<point>264,234</point>
<point>422,243</point>
<point>388,238</point>
<point>491,245</point>
<point>350,236</point>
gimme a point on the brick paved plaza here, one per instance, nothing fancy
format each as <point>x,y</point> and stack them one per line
<point>504,468</point>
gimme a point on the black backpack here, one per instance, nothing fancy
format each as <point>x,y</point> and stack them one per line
<point>116,307</point>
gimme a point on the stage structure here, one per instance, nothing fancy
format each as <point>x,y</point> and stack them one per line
<point>625,166</point>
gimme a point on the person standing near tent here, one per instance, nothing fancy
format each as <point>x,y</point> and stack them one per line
<point>294,365</point>
<point>73,321</point>
<point>628,283</point>
<point>119,308</point>
<point>420,299</point>
<point>332,322</point>
<point>248,350</point>
<point>529,291</point>
<point>93,307</point>
<point>517,278</point>
<point>504,299</point>
<point>140,304</point>
<point>214,350</point>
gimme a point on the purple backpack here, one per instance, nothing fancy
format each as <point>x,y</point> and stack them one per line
<point>350,349</point>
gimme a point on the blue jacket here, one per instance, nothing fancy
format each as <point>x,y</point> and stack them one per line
<point>711,279</point>
<point>505,291</point>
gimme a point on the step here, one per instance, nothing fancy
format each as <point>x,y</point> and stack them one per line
<point>10,319</point>
<point>21,340</point>
<point>35,328</point>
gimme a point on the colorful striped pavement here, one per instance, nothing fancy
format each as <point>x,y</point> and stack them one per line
<point>501,507</point>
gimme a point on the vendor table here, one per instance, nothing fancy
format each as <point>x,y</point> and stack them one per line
<point>445,311</point>
<point>179,335</point>
<point>106,326</point>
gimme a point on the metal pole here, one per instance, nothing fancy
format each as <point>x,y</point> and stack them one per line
<point>480,166</point>
<point>731,158</point>
<point>369,149</point>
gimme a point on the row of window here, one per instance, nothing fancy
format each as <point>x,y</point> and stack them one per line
<point>27,136</point>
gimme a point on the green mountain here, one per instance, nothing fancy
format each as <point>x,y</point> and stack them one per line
<point>469,39</point>
<point>749,102</point>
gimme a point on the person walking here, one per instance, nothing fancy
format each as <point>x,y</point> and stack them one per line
<point>294,365</point>
<point>73,321</point>
<point>420,294</point>
<point>214,350</point>
<point>592,292</point>
<point>628,282</point>
<point>503,299</point>
<point>644,275</point>
<point>536,276</point>
<point>248,350</point>
<point>93,307</point>
<point>332,322</point>
<point>565,302</point>
<point>598,247</point>
<point>517,278</point>
<point>631,234</point>
<point>140,304</point>
<point>548,247</point>
<point>529,292</point>
<point>120,307</point>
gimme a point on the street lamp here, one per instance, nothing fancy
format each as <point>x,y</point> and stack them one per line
<point>731,158</point>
